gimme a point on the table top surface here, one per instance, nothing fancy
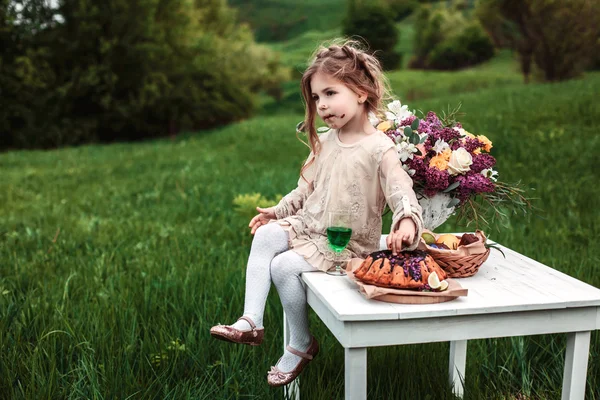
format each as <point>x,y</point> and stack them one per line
<point>511,284</point>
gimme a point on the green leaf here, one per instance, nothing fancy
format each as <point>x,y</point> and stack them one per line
<point>424,138</point>
<point>493,246</point>
<point>415,139</point>
<point>453,202</point>
<point>451,187</point>
<point>407,131</point>
<point>415,124</point>
<point>418,153</point>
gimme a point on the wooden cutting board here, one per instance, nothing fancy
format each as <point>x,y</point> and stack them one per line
<point>454,291</point>
<point>389,295</point>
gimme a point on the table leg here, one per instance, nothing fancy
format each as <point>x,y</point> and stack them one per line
<point>576,362</point>
<point>457,364</point>
<point>292,390</point>
<point>355,373</point>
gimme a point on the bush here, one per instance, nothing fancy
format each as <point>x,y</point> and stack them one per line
<point>558,36</point>
<point>376,25</point>
<point>449,55</point>
<point>444,39</point>
<point>427,35</point>
<point>595,61</point>
<point>477,42</point>
<point>121,70</point>
<point>471,47</point>
<point>460,5</point>
<point>401,9</point>
<point>488,13</point>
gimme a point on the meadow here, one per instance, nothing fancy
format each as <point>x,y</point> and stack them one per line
<point>115,260</point>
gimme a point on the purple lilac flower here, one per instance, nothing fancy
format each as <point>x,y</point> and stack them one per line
<point>436,180</point>
<point>471,144</point>
<point>418,164</point>
<point>481,162</point>
<point>433,119</point>
<point>473,183</point>
<point>430,124</point>
<point>448,135</point>
<point>392,134</point>
<point>408,121</point>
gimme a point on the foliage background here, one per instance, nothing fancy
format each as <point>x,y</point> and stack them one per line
<point>115,259</point>
<point>119,70</point>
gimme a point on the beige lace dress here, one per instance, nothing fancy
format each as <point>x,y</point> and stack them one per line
<point>361,177</point>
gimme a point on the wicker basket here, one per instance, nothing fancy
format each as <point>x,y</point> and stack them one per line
<point>462,262</point>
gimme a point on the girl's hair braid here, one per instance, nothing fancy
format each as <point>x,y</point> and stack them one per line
<point>349,62</point>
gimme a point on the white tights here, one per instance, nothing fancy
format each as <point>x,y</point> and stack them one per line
<point>271,259</point>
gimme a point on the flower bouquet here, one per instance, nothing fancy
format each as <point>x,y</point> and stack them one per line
<point>452,169</point>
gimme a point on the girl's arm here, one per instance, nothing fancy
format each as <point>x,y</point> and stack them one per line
<point>397,187</point>
<point>294,201</point>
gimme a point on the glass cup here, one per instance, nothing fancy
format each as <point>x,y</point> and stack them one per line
<point>338,236</point>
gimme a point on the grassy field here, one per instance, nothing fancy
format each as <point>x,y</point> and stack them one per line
<point>412,86</point>
<point>273,20</point>
<point>294,53</point>
<point>116,260</point>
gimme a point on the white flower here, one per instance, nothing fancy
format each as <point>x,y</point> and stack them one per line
<point>490,173</point>
<point>410,172</point>
<point>373,119</point>
<point>460,161</point>
<point>440,146</point>
<point>406,150</point>
<point>398,111</point>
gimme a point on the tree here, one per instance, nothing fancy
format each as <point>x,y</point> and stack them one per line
<point>446,39</point>
<point>375,24</point>
<point>558,36</point>
<point>125,70</point>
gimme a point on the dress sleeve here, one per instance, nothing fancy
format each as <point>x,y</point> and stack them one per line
<point>294,201</point>
<point>397,187</point>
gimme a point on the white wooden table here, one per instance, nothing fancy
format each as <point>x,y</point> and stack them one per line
<point>512,296</point>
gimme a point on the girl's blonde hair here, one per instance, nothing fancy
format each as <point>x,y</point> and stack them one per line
<point>347,61</point>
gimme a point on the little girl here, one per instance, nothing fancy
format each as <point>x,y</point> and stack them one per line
<point>353,166</point>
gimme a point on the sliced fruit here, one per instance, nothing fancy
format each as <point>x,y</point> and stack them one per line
<point>433,281</point>
<point>428,238</point>
<point>449,240</point>
<point>443,285</point>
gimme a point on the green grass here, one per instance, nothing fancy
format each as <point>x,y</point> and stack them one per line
<point>109,254</point>
<point>295,52</point>
<point>274,20</point>
<point>412,86</point>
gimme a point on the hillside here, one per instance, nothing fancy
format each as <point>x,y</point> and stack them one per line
<point>277,20</point>
<point>117,259</point>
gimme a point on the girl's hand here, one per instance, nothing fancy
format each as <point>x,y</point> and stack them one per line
<point>266,214</point>
<point>404,234</point>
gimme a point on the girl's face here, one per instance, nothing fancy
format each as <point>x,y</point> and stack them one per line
<point>336,104</point>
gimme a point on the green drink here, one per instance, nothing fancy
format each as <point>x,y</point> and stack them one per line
<point>338,237</point>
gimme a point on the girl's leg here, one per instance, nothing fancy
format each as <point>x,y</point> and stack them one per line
<point>269,240</point>
<point>286,269</point>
